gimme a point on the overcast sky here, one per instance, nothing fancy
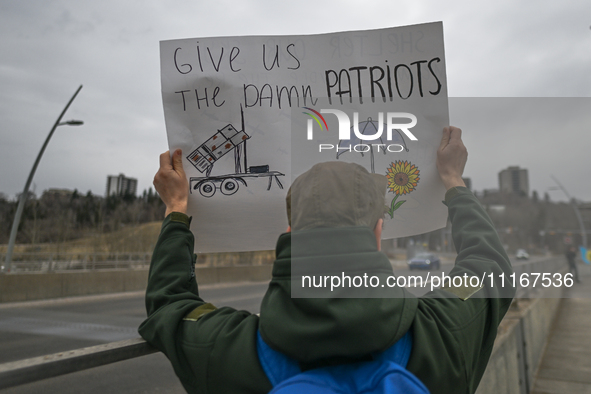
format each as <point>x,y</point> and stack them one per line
<point>493,49</point>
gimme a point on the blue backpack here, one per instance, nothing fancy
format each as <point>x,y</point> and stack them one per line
<point>386,373</point>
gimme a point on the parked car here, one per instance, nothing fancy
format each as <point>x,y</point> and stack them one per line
<point>521,254</point>
<point>426,261</point>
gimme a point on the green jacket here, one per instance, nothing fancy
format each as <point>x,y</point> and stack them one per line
<point>213,350</point>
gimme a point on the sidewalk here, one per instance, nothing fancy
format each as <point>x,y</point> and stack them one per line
<point>566,365</point>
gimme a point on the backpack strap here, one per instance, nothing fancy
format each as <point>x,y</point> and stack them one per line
<point>279,367</point>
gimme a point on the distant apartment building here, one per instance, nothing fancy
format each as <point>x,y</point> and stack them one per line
<point>119,185</point>
<point>514,180</point>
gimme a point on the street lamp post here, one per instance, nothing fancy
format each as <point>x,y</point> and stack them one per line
<point>23,196</point>
<point>577,212</point>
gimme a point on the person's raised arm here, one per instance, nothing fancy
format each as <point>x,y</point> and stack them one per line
<point>171,183</point>
<point>172,291</point>
<point>477,243</point>
<point>458,322</point>
<point>172,273</point>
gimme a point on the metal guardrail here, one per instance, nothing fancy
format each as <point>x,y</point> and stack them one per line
<point>53,262</point>
<point>33,369</point>
<point>38,368</point>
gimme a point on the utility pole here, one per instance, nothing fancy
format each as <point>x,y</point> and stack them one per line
<point>577,212</point>
<point>23,196</point>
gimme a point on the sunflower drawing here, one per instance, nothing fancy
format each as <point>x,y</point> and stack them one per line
<point>403,178</point>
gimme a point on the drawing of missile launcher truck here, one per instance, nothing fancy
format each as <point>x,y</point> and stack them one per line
<point>226,140</point>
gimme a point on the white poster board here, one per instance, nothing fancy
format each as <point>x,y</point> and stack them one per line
<point>232,103</point>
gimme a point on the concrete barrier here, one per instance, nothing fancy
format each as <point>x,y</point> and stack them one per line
<point>520,344</point>
<point>39,286</point>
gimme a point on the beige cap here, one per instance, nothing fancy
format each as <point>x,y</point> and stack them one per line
<point>336,194</point>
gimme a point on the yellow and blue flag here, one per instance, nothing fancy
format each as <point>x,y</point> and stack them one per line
<point>586,255</point>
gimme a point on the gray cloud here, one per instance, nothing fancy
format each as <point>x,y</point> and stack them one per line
<point>503,49</point>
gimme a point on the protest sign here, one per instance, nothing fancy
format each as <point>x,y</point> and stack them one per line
<point>252,113</point>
